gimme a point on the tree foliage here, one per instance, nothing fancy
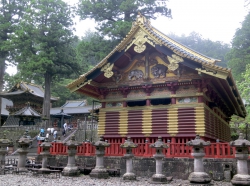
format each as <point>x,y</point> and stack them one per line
<point>216,50</point>
<point>93,48</point>
<point>244,90</point>
<point>59,90</point>
<point>114,17</point>
<point>10,13</point>
<point>239,55</point>
<point>44,41</point>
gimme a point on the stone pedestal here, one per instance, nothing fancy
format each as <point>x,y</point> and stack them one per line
<point>99,171</point>
<point>4,143</point>
<point>158,177</point>
<point>23,144</point>
<point>198,176</point>
<point>46,145</point>
<point>242,177</point>
<point>128,145</point>
<point>71,169</point>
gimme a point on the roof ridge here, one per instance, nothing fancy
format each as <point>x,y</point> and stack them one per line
<point>202,56</point>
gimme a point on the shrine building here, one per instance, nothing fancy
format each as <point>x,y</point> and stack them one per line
<point>150,85</point>
<point>21,94</point>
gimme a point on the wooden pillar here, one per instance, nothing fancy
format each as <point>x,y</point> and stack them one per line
<point>200,99</point>
<point>124,104</point>
<point>124,91</point>
<point>148,89</point>
<point>103,104</point>
<point>173,100</point>
<point>173,86</point>
<point>148,102</point>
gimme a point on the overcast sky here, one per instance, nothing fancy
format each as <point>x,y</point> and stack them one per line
<point>213,19</point>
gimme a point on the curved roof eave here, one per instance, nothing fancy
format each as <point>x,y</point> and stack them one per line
<point>160,37</point>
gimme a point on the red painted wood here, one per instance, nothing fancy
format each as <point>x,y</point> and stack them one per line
<point>135,123</point>
<point>112,123</point>
<point>215,150</point>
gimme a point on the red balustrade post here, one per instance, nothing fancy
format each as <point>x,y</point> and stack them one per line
<point>39,149</point>
<point>173,141</point>
<point>168,154</point>
<point>146,147</point>
<point>218,154</point>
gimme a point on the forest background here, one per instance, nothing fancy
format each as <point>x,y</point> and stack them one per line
<point>37,36</point>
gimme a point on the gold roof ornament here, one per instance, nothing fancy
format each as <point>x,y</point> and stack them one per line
<point>107,69</point>
<point>174,60</point>
<point>142,19</point>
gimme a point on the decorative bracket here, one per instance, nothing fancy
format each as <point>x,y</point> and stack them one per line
<point>174,62</point>
<point>107,69</point>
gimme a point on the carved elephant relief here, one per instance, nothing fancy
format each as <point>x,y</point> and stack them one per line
<point>135,74</point>
<point>159,70</point>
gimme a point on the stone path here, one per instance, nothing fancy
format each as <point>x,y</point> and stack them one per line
<point>30,180</point>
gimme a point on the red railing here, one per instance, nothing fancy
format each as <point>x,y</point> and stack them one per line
<point>215,150</point>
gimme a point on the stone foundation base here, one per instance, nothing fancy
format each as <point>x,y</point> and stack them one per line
<point>239,180</point>
<point>129,176</point>
<point>158,179</point>
<point>99,173</point>
<point>71,171</point>
<point>199,177</point>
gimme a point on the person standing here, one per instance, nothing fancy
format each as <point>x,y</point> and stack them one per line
<point>42,132</point>
<point>52,131</point>
<point>55,134</point>
<point>65,126</point>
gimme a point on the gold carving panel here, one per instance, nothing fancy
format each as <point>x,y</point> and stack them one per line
<point>161,91</point>
<point>136,94</point>
<point>114,95</point>
<point>186,89</point>
<point>113,104</point>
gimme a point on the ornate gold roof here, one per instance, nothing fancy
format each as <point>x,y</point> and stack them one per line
<point>143,25</point>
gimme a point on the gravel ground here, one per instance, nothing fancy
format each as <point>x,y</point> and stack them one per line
<point>49,180</point>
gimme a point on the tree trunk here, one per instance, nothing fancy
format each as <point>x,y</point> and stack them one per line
<point>2,70</point>
<point>46,99</point>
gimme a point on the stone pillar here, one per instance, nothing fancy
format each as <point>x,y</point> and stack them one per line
<point>242,177</point>
<point>99,171</point>
<point>158,177</point>
<point>46,145</point>
<point>71,169</point>
<point>23,144</point>
<point>198,176</point>
<point>4,143</point>
<point>128,145</point>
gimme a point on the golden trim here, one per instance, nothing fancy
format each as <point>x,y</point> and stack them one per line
<point>147,122</point>
<point>200,120</point>
<point>101,123</point>
<point>107,69</point>
<point>172,121</point>
<point>123,123</point>
<point>174,62</point>
<point>213,72</point>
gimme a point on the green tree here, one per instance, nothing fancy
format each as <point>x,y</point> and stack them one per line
<point>239,55</point>
<point>114,17</point>
<point>59,90</point>
<point>244,90</point>
<point>92,48</point>
<point>216,50</point>
<point>44,42</point>
<point>11,81</point>
<point>10,13</point>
